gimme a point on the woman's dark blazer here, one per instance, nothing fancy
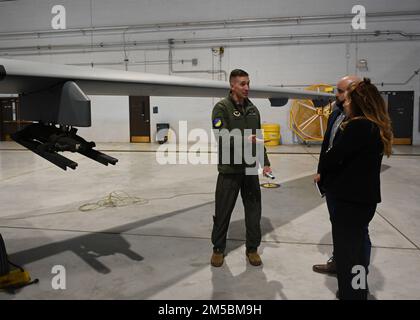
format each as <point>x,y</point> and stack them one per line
<point>350,170</point>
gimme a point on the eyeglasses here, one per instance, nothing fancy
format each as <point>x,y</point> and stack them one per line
<point>339,90</point>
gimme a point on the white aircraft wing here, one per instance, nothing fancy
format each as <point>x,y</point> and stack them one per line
<point>18,76</point>
<point>54,97</point>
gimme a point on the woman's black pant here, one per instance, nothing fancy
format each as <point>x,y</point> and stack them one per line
<point>350,221</point>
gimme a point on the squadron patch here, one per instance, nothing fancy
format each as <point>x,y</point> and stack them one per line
<point>217,123</point>
<point>236,113</point>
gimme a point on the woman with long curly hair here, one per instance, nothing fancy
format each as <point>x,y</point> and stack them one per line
<point>351,171</point>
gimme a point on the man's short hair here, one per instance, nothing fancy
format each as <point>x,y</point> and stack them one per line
<point>237,73</point>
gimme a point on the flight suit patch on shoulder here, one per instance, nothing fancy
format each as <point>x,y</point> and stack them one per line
<point>217,123</point>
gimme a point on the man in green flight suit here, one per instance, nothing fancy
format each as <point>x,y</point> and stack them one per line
<point>236,123</point>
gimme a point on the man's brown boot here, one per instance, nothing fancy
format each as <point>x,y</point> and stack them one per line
<point>217,258</point>
<point>329,267</point>
<point>254,258</point>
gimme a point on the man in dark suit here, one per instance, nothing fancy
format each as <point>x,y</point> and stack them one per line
<point>331,134</point>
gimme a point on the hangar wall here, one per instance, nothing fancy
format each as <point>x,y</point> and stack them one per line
<point>295,61</point>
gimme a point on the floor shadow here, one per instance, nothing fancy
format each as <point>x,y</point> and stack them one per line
<point>280,206</point>
<point>385,167</point>
<point>252,283</point>
<point>94,245</point>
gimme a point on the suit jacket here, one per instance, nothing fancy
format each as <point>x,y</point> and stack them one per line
<point>351,168</point>
<point>331,119</point>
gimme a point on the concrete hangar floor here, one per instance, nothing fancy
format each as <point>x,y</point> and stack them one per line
<point>157,246</point>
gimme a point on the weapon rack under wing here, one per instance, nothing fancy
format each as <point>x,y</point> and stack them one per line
<point>66,105</point>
